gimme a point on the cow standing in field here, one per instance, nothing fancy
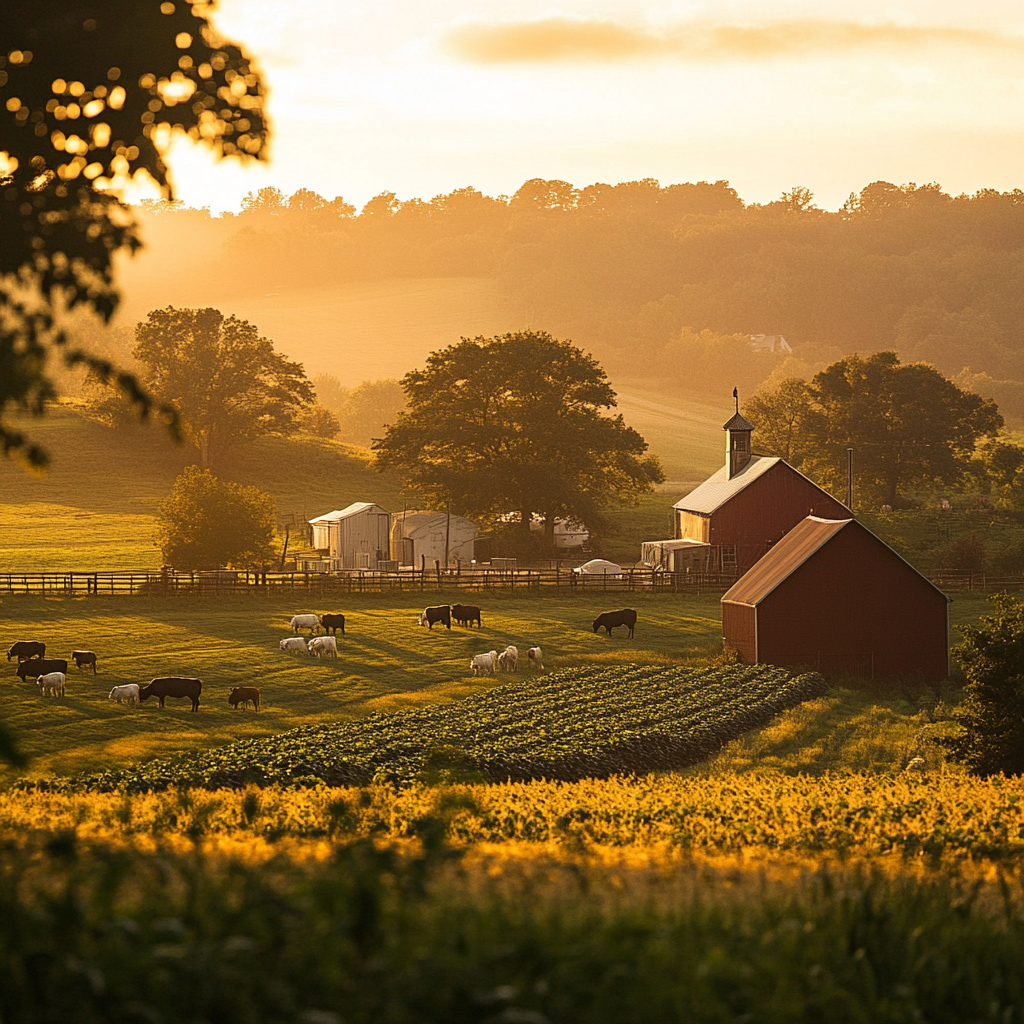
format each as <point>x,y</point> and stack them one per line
<point>81,658</point>
<point>293,643</point>
<point>332,622</point>
<point>173,686</point>
<point>535,659</point>
<point>323,646</point>
<point>610,620</point>
<point>440,613</point>
<point>243,695</point>
<point>508,660</point>
<point>127,694</point>
<point>484,664</point>
<point>52,684</point>
<point>466,614</point>
<point>25,649</point>
<point>309,622</point>
<point>35,667</point>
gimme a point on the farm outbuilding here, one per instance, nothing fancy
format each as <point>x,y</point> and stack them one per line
<point>833,596</point>
<point>751,503</point>
<point>416,535</point>
<point>355,537</point>
<point>676,555</point>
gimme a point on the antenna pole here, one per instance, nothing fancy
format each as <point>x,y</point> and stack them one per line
<point>849,479</point>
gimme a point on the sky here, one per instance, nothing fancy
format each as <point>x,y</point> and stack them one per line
<point>420,97</point>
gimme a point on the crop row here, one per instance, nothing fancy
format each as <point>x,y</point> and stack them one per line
<point>580,723</point>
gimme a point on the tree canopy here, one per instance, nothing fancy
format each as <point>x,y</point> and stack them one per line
<point>516,423</point>
<point>90,93</point>
<point>908,425</point>
<point>227,381</point>
<point>205,524</point>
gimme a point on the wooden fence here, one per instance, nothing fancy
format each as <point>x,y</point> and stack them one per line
<point>358,582</point>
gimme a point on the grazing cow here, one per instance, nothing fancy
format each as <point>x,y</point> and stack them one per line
<point>173,686</point>
<point>535,659</point>
<point>625,617</point>
<point>293,643</point>
<point>243,695</point>
<point>466,614</point>
<point>321,646</point>
<point>127,694</point>
<point>508,659</point>
<point>81,658</point>
<point>483,664</point>
<point>25,649</point>
<point>41,666</point>
<point>309,622</point>
<point>52,684</point>
<point>442,613</point>
<point>332,622</point>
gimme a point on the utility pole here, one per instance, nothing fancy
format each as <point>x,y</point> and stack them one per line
<point>849,479</point>
<point>447,532</point>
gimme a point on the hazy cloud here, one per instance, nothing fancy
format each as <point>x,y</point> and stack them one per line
<point>561,37</point>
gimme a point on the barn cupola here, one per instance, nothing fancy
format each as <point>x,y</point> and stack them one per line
<point>737,440</point>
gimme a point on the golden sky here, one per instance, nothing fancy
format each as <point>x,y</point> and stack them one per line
<point>424,97</point>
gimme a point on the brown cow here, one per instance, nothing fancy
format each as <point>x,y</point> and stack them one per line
<point>242,695</point>
<point>466,614</point>
<point>81,658</point>
<point>626,617</point>
<point>173,686</point>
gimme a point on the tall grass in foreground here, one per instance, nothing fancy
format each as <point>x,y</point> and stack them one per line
<point>371,935</point>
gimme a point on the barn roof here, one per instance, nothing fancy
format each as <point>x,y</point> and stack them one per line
<point>795,548</point>
<point>350,510</point>
<point>718,489</point>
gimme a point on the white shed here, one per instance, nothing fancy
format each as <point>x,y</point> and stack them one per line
<point>676,555</point>
<point>356,537</point>
<point>417,535</point>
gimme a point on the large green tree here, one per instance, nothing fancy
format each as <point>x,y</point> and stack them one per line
<point>517,423</point>
<point>90,93</point>
<point>206,524</point>
<point>909,426</point>
<point>225,379</point>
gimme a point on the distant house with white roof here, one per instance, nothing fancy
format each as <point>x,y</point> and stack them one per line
<point>355,537</point>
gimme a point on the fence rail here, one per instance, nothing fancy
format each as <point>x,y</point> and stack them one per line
<point>358,582</point>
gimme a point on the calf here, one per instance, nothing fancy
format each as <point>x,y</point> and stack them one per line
<point>81,658</point>
<point>242,695</point>
<point>41,666</point>
<point>52,684</point>
<point>332,622</point>
<point>173,686</point>
<point>483,664</point>
<point>535,659</point>
<point>466,614</point>
<point>509,659</point>
<point>127,694</point>
<point>309,622</point>
<point>610,620</point>
<point>442,613</point>
<point>293,643</point>
<point>25,649</point>
<point>321,646</point>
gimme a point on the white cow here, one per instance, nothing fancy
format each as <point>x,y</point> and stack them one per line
<point>52,684</point>
<point>127,694</point>
<point>322,646</point>
<point>509,659</point>
<point>309,622</point>
<point>535,658</point>
<point>293,643</point>
<point>484,664</point>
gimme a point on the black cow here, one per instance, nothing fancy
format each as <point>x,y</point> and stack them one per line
<point>25,649</point>
<point>441,613</point>
<point>81,658</point>
<point>173,686</point>
<point>625,617</point>
<point>332,622</point>
<point>466,614</point>
<point>40,666</point>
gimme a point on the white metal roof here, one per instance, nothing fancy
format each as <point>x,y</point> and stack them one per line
<point>675,544</point>
<point>718,489</point>
<point>415,523</point>
<point>351,510</point>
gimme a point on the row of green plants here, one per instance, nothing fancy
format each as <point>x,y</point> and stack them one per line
<point>589,722</point>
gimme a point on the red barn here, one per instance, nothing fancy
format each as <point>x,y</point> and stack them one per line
<point>832,595</point>
<point>750,504</point>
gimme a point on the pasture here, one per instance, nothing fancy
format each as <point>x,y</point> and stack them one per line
<point>385,662</point>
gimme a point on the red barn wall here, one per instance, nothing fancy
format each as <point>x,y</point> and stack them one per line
<point>739,627</point>
<point>856,602</point>
<point>766,510</point>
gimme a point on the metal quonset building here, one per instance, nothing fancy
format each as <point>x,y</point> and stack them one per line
<point>417,536</point>
<point>751,503</point>
<point>355,537</point>
<point>832,595</point>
